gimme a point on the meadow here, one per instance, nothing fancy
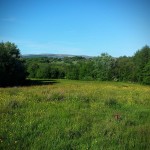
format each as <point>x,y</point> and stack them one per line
<point>74,115</point>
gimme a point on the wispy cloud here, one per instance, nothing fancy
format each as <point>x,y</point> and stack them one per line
<point>49,47</point>
<point>29,47</point>
<point>54,47</point>
<point>9,19</point>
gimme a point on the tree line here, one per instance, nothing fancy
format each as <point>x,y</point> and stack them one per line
<point>14,69</point>
<point>103,67</point>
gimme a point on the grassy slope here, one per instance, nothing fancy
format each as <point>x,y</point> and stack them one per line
<point>75,115</point>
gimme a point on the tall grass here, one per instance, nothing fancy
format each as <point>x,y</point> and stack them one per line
<point>75,115</point>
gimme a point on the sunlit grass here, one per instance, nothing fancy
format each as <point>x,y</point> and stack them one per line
<point>75,115</point>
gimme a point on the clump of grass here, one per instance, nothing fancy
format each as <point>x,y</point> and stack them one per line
<point>130,122</point>
<point>56,96</point>
<point>74,134</point>
<point>13,91</point>
<point>111,102</point>
<point>14,104</point>
<point>38,98</point>
<point>85,99</point>
<point>144,115</point>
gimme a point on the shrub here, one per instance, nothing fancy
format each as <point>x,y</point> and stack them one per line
<point>12,68</point>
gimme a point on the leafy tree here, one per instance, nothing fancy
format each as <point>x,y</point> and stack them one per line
<point>141,59</point>
<point>12,68</point>
<point>124,68</point>
<point>72,72</point>
<point>32,69</point>
<point>146,74</point>
<point>44,71</point>
<point>103,65</point>
<point>86,70</point>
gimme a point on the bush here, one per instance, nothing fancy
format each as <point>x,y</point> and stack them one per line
<point>12,68</point>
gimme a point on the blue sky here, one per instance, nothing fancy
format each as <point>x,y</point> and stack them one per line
<point>80,27</point>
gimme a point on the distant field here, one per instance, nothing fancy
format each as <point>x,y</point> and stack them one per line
<point>69,115</point>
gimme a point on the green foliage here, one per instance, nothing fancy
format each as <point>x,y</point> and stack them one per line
<point>141,59</point>
<point>124,69</point>
<point>12,68</point>
<point>103,67</point>
<point>44,71</point>
<point>72,72</point>
<point>146,74</point>
<point>32,69</point>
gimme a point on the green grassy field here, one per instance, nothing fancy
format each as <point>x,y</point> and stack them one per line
<point>69,115</point>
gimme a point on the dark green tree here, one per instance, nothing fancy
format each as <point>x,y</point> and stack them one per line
<point>102,65</point>
<point>124,69</point>
<point>146,74</point>
<point>44,71</point>
<point>32,69</point>
<point>72,72</point>
<point>141,59</point>
<point>12,68</point>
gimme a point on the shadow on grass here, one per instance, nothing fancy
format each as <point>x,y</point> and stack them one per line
<point>32,82</point>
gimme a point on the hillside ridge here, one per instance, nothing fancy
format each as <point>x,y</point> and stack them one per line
<point>53,55</point>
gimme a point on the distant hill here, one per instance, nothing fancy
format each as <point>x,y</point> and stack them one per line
<point>52,55</point>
